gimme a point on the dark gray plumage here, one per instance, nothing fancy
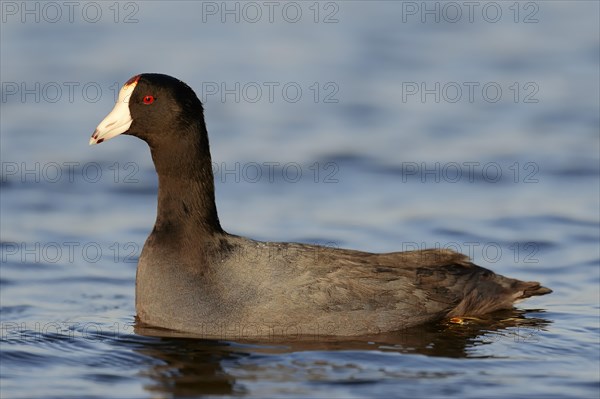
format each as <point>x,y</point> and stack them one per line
<point>194,277</point>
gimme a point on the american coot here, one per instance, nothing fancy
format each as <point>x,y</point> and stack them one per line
<point>194,277</point>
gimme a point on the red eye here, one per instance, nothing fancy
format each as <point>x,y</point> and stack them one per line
<point>148,100</point>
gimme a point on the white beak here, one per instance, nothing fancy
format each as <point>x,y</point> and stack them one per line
<point>118,120</point>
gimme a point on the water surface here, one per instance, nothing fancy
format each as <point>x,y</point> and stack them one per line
<point>378,152</point>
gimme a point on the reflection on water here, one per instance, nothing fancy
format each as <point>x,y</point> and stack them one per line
<point>190,366</point>
<point>170,364</point>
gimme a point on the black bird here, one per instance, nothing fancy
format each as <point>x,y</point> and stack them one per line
<point>194,277</point>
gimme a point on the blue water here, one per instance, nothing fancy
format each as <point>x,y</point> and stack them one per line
<point>373,125</point>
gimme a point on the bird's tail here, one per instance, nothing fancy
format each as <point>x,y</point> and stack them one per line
<point>532,288</point>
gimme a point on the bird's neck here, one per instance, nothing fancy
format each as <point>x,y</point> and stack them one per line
<point>186,193</point>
